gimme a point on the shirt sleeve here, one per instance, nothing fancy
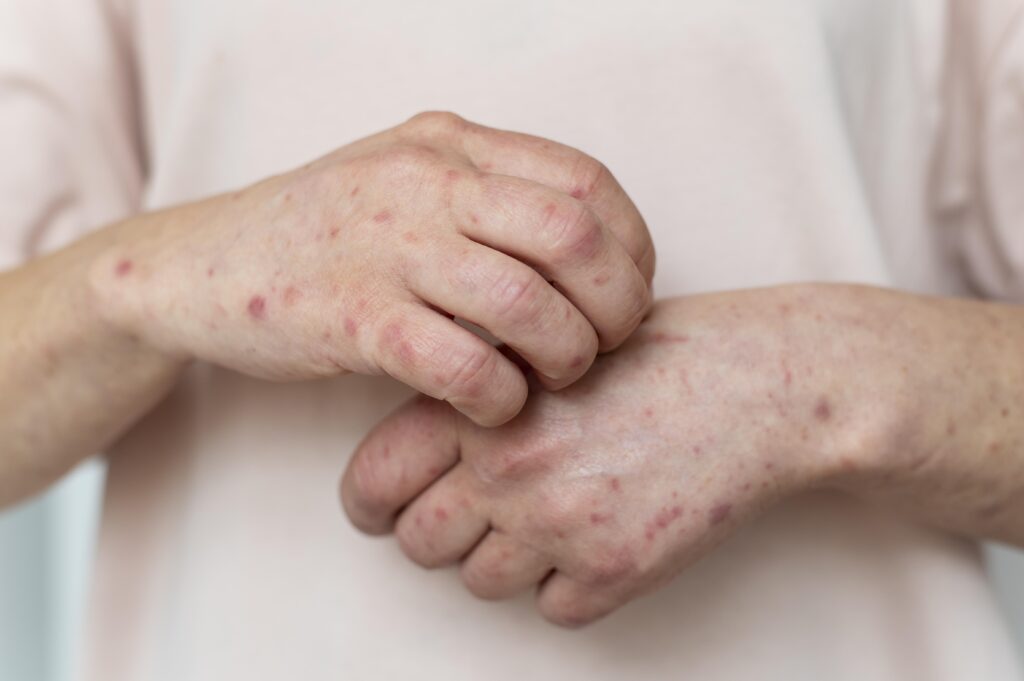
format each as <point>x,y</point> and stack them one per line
<point>70,156</point>
<point>980,183</point>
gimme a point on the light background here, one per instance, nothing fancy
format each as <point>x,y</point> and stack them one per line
<point>45,555</point>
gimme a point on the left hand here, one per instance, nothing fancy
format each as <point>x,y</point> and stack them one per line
<point>716,408</point>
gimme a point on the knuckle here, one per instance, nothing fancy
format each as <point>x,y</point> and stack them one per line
<point>513,464</point>
<point>564,614</point>
<point>588,175</point>
<point>482,579</point>
<point>371,486</point>
<point>610,567</point>
<point>466,372</point>
<point>517,295</point>
<point>573,232</point>
<point>432,123</point>
<point>417,547</point>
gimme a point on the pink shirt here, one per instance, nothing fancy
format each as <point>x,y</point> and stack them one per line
<point>877,141</point>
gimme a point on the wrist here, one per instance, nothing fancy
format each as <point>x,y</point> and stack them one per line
<point>116,287</point>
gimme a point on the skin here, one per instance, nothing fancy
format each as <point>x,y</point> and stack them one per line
<point>357,262</point>
<point>716,409</point>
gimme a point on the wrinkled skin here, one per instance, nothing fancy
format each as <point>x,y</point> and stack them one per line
<point>716,408</point>
<point>360,260</point>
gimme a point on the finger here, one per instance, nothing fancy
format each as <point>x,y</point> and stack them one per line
<point>572,604</point>
<point>571,172</point>
<point>397,460</point>
<point>502,567</point>
<point>444,522</point>
<point>436,356</point>
<point>566,242</point>
<point>515,304</point>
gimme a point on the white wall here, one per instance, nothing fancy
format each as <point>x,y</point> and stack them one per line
<point>45,551</point>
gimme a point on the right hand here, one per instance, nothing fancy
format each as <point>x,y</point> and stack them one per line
<point>360,260</point>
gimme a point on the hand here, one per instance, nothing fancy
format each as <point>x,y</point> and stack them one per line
<point>714,409</point>
<point>360,260</point>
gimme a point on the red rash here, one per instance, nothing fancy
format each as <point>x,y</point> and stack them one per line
<point>354,191</point>
<point>334,232</point>
<point>662,337</point>
<point>350,326</point>
<point>597,518</point>
<point>665,517</point>
<point>291,295</point>
<point>602,279</point>
<point>822,411</point>
<point>257,307</point>
<point>209,272</point>
<point>382,217</point>
<point>440,514</point>
<point>615,485</point>
<point>577,193</point>
<point>719,514</point>
<point>123,268</point>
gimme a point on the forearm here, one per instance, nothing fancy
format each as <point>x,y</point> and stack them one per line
<point>70,381</point>
<point>954,455</point>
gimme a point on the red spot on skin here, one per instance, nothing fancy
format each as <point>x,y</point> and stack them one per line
<point>667,515</point>
<point>697,450</point>
<point>994,447</point>
<point>327,335</point>
<point>474,219</point>
<point>385,453</point>
<point>769,466</point>
<point>486,166</point>
<point>209,272</point>
<point>822,410</point>
<point>951,427</point>
<point>597,518</point>
<point>719,514</point>
<point>577,193</point>
<point>549,210</point>
<point>1004,413</point>
<point>123,268</point>
<point>661,371</point>
<point>615,485</point>
<point>410,238</point>
<point>787,374</point>
<point>662,337</point>
<point>257,307</point>
<point>355,190</point>
<point>350,326</point>
<point>287,197</point>
<point>602,279</point>
<point>452,175</point>
<point>577,362</point>
<point>675,495</point>
<point>382,217</point>
<point>746,486</point>
<point>648,412</point>
<point>334,232</point>
<point>440,514</point>
<point>784,309</point>
<point>560,534</point>
<point>291,295</point>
